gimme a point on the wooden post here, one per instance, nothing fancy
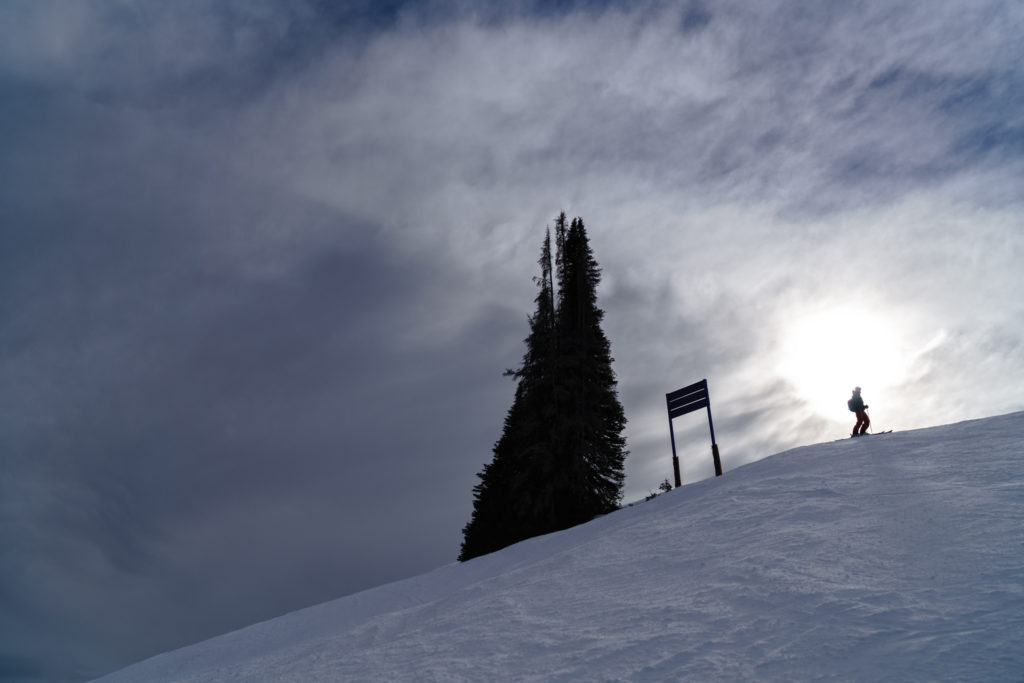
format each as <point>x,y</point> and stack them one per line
<point>675,458</point>
<point>714,444</point>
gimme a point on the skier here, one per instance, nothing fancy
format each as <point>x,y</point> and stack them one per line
<point>856,405</point>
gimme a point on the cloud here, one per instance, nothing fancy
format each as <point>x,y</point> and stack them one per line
<point>268,262</point>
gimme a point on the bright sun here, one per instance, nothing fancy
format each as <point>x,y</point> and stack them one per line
<point>826,354</point>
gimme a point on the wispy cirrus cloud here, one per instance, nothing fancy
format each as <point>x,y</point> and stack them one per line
<point>267,263</point>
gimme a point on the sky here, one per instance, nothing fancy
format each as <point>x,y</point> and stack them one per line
<point>263,264</point>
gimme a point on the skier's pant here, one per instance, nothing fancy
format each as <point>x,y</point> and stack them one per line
<point>863,422</point>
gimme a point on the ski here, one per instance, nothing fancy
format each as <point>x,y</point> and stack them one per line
<point>847,438</point>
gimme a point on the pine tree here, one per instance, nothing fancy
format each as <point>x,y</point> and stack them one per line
<point>559,459</point>
<point>508,496</point>
<point>591,420</point>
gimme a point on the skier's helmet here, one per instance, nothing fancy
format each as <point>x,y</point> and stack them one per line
<point>856,390</point>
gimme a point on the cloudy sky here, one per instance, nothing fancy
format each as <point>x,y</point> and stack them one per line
<point>262,265</point>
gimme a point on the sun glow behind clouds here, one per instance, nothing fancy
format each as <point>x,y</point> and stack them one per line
<point>826,354</point>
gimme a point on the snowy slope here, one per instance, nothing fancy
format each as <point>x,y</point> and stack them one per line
<point>896,557</point>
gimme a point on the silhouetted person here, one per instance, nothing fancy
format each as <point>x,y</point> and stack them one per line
<point>856,404</point>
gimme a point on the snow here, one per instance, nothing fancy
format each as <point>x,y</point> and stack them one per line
<point>895,557</point>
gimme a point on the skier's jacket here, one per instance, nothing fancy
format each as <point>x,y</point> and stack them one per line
<point>855,403</point>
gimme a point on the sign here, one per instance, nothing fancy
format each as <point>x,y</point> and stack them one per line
<point>687,400</point>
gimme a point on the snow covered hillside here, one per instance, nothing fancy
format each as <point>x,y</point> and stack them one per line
<point>895,557</point>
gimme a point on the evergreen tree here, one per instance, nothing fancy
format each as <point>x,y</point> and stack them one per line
<point>590,444</point>
<point>559,459</point>
<point>507,498</point>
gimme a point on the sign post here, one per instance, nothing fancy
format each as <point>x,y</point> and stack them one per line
<point>687,400</point>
